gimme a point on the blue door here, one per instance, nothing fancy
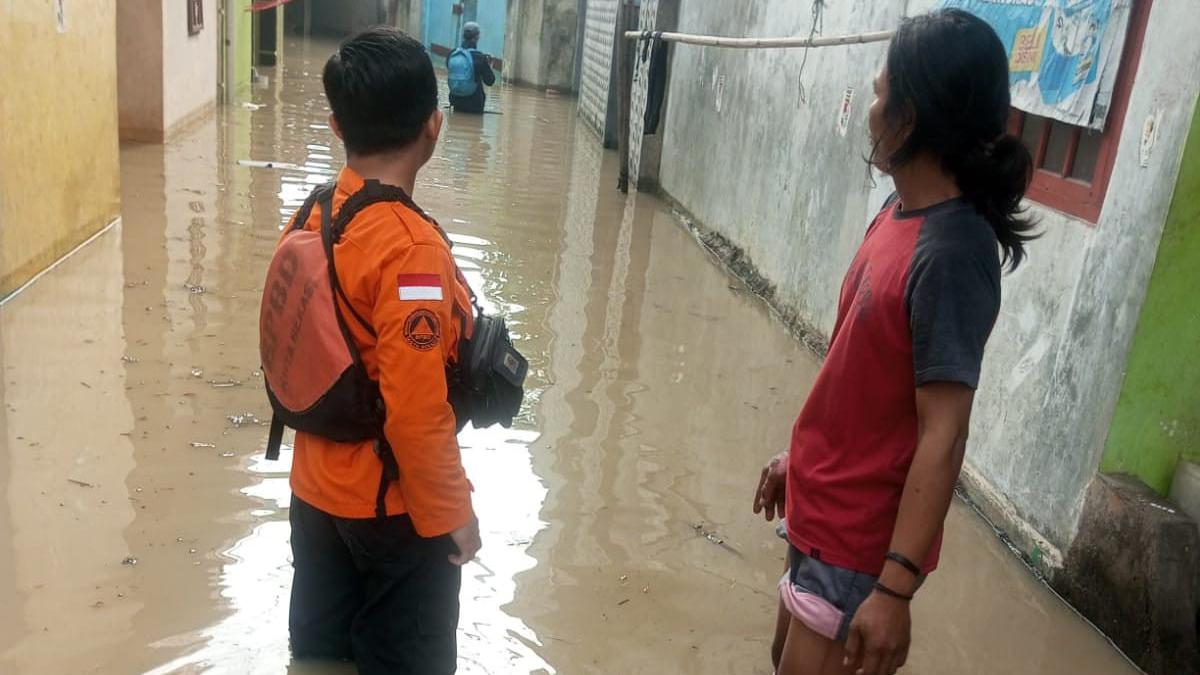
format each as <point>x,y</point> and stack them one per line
<point>491,15</point>
<point>443,21</point>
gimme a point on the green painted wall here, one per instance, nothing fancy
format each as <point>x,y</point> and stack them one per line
<point>245,45</point>
<point>1157,421</point>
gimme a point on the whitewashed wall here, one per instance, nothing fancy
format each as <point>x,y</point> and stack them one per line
<point>768,169</point>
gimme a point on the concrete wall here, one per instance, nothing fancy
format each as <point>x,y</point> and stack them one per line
<point>522,48</point>
<point>541,43</point>
<point>59,179</point>
<point>597,68</point>
<point>189,63</point>
<point>1157,421</point>
<point>744,155</point>
<point>139,67</point>
<point>166,77</point>
<point>409,20</point>
<point>767,171</point>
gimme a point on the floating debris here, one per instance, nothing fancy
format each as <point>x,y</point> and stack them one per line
<point>712,537</point>
<point>194,289</point>
<point>228,454</point>
<point>80,483</point>
<point>200,444</point>
<point>196,372</point>
<point>130,359</point>
<point>268,165</point>
<point>130,561</point>
<point>244,419</point>
<point>223,384</point>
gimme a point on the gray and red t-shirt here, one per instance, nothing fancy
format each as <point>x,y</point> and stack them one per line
<point>917,306</point>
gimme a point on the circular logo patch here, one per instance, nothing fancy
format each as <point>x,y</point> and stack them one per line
<point>422,330</point>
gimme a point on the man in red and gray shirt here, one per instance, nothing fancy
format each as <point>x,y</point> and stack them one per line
<point>879,444</point>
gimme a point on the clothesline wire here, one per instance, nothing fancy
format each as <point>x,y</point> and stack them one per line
<point>762,43</point>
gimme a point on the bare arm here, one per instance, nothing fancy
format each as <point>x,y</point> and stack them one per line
<point>881,630</point>
<point>943,417</point>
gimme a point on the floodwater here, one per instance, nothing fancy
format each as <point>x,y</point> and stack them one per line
<point>141,530</point>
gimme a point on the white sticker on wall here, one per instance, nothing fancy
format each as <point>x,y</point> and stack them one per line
<point>1149,136</point>
<point>60,15</point>
<point>843,122</point>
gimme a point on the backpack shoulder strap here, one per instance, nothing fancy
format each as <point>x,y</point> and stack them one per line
<point>319,194</point>
<point>275,438</point>
<point>328,239</point>
<point>332,230</point>
<point>372,192</point>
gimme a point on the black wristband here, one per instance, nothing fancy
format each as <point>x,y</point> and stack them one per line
<point>889,592</point>
<point>904,562</point>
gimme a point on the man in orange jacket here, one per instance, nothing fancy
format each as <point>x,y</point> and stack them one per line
<point>383,591</point>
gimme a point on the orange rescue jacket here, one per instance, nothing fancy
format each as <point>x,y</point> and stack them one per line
<point>399,275</point>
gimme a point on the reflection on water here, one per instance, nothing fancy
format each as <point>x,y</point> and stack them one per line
<point>615,515</point>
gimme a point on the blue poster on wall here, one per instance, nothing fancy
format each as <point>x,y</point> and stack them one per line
<point>1063,54</point>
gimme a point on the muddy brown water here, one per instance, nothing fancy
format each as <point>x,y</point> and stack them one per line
<point>143,532</point>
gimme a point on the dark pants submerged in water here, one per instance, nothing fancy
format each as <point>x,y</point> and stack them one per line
<point>373,591</point>
<point>469,104</point>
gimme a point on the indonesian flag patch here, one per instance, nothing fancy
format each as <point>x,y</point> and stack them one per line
<point>420,287</point>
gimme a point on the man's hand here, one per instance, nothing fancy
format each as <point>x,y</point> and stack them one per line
<point>879,636</point>
<point>466,538</point>
<point>772,486</point>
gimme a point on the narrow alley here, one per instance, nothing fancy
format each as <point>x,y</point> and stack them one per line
<point>616,519</point>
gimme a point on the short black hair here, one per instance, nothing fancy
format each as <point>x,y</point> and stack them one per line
<point>382,89</point>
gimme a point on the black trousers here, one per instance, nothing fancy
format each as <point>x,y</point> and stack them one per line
<point>470,104</point>
<point>372,591</point>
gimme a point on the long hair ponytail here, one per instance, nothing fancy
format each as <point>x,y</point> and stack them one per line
<point>947,75</point>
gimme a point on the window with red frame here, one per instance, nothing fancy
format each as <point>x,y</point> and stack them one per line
<point>1072,164</point>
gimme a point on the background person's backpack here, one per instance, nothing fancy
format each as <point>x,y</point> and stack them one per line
<point>461,67</point>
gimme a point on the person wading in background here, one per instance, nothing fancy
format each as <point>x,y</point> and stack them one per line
<point>878,447</point>
<point>378,560</point>
<point>468,70</point>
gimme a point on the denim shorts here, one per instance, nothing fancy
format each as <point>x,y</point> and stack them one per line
<point>821,596</point>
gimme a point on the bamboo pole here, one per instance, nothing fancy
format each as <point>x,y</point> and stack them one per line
<point>766,43</point>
